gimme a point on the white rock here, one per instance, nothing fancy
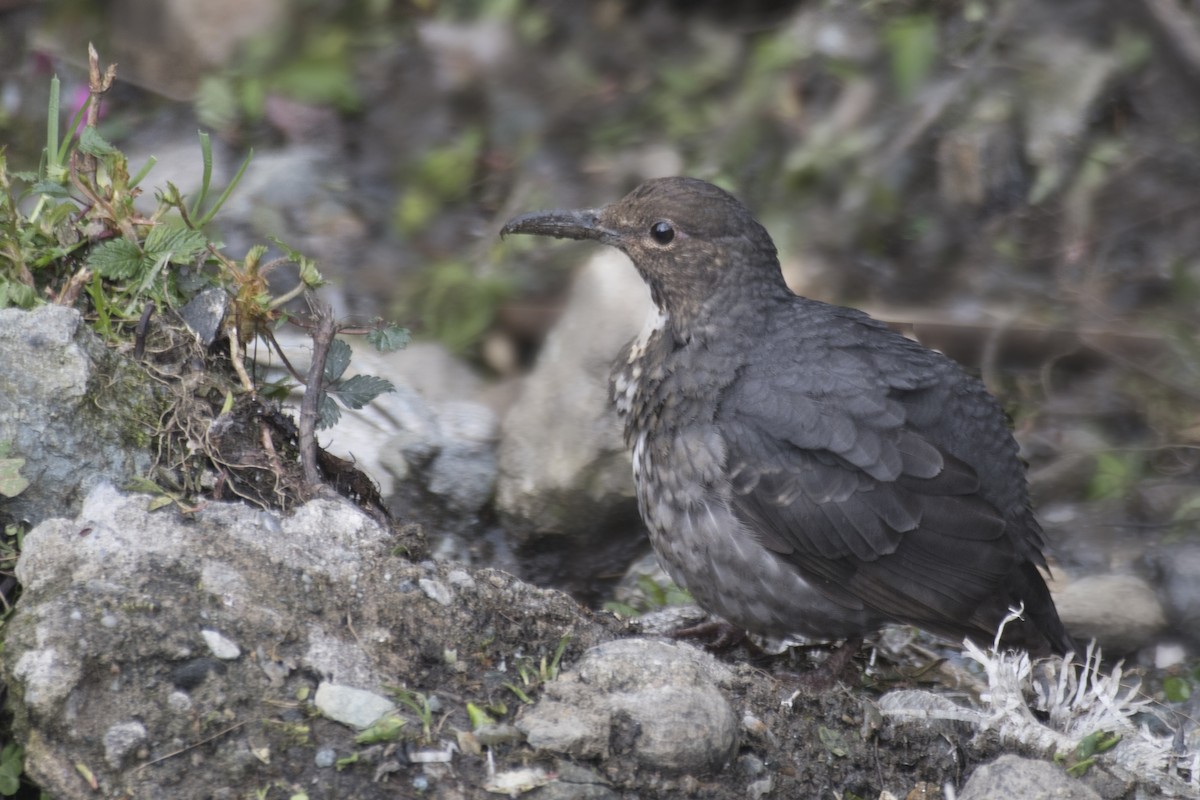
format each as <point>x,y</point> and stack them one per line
<point>357,708</point>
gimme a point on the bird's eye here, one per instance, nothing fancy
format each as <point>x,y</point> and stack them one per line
<point>662,232</point>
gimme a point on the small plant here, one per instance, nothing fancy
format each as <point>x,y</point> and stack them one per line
<point>389,728</point>
<point>86,243</point>
<point>653,595</point>
<point>1081,759</point>
<point>12,764</point>
<point>419,704</point>
<point>532,677</point>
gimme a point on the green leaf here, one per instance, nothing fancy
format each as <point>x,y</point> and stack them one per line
<point>216,103</point>
<point>356,392</point>
<point>116,259</point>
<point>385,729</point>
<point>12,482</point>
<point>12,764</point>
<point>912,43</point>
<point>478,716</point>
<point>337,360</point>
<point>1115,473</point>
<point>18,295</point>
<point>50,188</point>
<point>179,243</point>
<point>92,143</point>
<point>143,172</point>
<point>389,338</point>
<point>1176,689</point>
<point>237,178</point>
<point>52,122</point>
<point>328,412</point>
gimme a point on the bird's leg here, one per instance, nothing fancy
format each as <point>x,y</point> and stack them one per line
<point>829,672</point>
<point>717,636</point>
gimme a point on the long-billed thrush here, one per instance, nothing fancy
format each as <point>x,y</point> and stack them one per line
<point>803,469</point>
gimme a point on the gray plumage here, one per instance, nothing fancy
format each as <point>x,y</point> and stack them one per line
<point>802,469</point>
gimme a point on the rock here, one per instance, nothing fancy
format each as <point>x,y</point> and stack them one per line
<point>565,472</point>
<point>220,646</point>
<point>70,438</point>
<point>205,313</point>
<point>1013,776</point>
<point>1121,612</point>
<point>660,703</point>
<point>429,430</point>
<point>357,708</point>
<point>464,470</point>
<point>190,39</point>
<point>1178,565</point>
<point>107,663</point>
<point>120,740</point>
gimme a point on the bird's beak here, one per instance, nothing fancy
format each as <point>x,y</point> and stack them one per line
<point>578,224</point>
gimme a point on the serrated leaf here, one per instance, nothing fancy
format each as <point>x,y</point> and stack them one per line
<point>389,339</point>
<point>116,259</point>
<point>359,390</point>
<point>337,360</point>
<point>289,252</point>
<point>18,295</point>
<point>328,412</point>
<point>310,274</point>
<point>50,189</point>
<point>92,143</point>
<point>177,241</point>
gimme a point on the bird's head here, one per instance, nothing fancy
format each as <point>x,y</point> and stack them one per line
<point>692,242</point>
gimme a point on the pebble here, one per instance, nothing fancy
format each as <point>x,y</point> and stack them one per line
<point>220,646</point>
<point>436,591</point>
<point>357,708</point>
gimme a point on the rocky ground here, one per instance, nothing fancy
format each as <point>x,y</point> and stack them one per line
<point>1012,184</point>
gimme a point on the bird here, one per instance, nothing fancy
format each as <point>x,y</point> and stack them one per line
<point>802,469</point>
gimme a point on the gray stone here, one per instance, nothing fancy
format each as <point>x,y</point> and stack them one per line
<point>564,467</point>
<point>315,590</point>
<point>660,701</point>
<point>120,740</point>
<point>357,708</point>
<point>220,646</point>
<point>436,590</point>
<point>71,440</point>
<point>428,430</point>
<point>1013,776</point>
<point>1122,612</point>
<point>1179,567</point>
<point>326,757</point>
<point>204,314</point>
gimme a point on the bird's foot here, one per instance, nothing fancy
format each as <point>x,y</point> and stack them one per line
<point>716,636</point>
<point>830,672</point>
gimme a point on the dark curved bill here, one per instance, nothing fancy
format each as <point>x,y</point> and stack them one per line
<point>576,224</point>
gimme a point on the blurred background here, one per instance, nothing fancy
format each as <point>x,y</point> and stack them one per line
<point>1014,182</point>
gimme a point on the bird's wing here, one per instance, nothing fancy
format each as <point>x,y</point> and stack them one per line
<point>831,466</point>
